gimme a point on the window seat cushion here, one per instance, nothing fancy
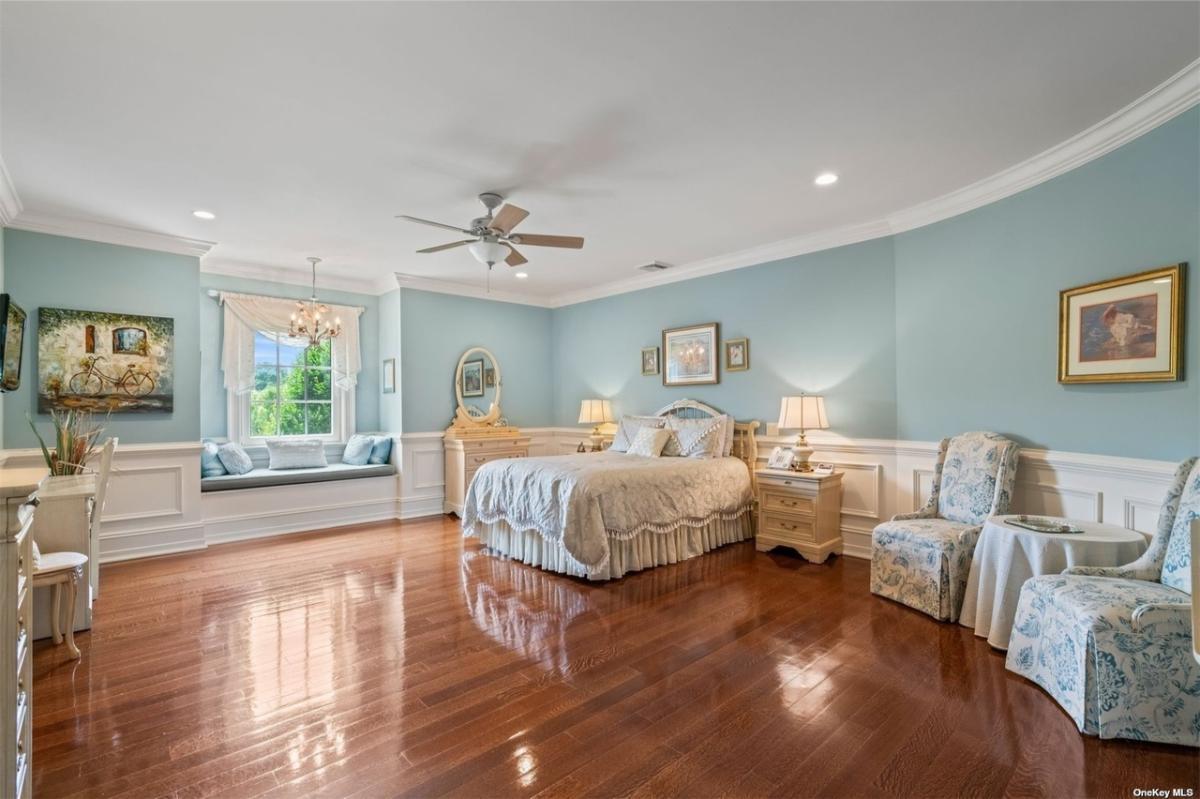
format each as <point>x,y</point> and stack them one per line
<point>262,478</point>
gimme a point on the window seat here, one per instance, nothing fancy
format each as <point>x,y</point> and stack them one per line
<point>263,478</point>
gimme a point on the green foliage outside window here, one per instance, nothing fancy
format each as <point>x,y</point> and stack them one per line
<point>292,393</point>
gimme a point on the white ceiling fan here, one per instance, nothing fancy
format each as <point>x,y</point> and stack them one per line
<point>492,238</point>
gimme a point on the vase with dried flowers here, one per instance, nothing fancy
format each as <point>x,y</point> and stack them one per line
<point>75,439</point>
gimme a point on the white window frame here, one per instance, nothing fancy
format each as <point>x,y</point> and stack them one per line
<point>341,417</point>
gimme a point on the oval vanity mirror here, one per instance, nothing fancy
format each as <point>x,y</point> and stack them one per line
<point>477,386</point>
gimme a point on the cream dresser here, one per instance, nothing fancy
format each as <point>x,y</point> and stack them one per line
<point>801,510</point>
<point>16,640</point>
<point>465,453</point>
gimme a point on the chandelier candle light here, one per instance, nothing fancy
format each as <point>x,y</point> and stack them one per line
<point>307,322</point>
<point>805,412</point>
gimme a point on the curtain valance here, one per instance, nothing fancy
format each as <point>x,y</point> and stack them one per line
<point>247,313</point>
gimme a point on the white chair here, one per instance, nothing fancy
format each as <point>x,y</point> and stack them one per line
<point>59,570</point>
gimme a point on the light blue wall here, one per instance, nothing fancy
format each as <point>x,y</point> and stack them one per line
<point>977,304</point>
<point>58,272</point>
<point>820,323</point>
<point>435,331</point>
<point>212,390</point>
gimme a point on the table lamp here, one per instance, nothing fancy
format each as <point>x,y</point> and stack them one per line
<point>595,412</point>
<point>805,412</point>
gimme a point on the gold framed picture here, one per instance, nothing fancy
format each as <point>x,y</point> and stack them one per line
<point>649,361</point>
<point>737,354</point>
<point>690,356</point>
<point>1125,330</point>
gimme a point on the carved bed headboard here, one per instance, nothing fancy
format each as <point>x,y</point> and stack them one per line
<point>745,448</point>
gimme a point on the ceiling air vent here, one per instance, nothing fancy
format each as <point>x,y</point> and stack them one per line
<point>654,266</point>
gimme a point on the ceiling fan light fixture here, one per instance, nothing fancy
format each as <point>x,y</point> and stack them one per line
<point>520,275</point>
<point>488,252</point>
<point>826,179</point>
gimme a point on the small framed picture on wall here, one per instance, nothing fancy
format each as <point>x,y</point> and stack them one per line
<point>389,376</point>
<point>649,361</point>
<point>737,354</point>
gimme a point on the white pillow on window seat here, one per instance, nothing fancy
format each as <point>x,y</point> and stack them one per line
<point>649,442</point>
<point>296,453</point>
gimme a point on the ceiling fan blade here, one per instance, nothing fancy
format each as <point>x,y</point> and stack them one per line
<point>441,247</point>
<point>515,258</point>
<point>508,218</point>
<point>420,221</point>
<point>538,240</point>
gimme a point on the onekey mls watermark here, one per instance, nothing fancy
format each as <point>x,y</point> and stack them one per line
<point>1164,793</point>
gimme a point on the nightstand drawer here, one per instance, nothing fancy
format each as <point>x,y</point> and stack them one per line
<point>788,503</point>
<point>789,528</point>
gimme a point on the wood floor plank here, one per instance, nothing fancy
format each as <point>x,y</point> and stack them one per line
<point>396,659</point>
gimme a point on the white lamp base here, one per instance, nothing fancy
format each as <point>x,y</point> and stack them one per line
<point>801,452</point>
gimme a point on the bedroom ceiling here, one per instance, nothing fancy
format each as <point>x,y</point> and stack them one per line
<point>673,132</point>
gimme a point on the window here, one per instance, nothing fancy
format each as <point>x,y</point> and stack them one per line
<point>292,393</point>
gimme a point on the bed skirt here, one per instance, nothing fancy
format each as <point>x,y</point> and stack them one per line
<point>643,551</point>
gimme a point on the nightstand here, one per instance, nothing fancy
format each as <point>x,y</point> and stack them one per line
<point>801,510</point>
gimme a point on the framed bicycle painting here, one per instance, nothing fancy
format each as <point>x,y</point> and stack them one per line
<point>105,362</point>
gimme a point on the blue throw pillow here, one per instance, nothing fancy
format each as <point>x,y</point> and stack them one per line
<point>358,450</point>
<point>235,459</point>
<point>210,464</point>
<point>381,450</point>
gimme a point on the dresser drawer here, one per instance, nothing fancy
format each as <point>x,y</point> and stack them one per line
<point>789,527</point>
<point>22,645</point>
<point>477,459</point>
<point>788,503</point>
<point>489,445</point>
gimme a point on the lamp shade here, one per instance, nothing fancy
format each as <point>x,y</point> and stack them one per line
<point>595,411</point>
<point>806,412</point>
<point>488,252</point>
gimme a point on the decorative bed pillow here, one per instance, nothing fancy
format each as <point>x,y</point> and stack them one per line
<point>304,453</point>
<point>210,464</point>
<point>696,438</point>
<point>649,442</point>
<point>234,458</point>
<point>628,428</point>
<point>381,449</point>
<point>358,450</point>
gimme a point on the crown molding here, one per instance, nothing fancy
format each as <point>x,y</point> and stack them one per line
<point>286,275</point>
<point>10,203</point>
<point>467,290</point>
<point>788,248</point>
<point>1162,103</point>
<point>108,233</point>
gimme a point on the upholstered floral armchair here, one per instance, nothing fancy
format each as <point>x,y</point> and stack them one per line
<point>922,559</point>
<point>1113,646</point>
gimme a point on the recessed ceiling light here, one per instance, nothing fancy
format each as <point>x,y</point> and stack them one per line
<point>204,214</point>
<point>826,179</point>
<point>520,275</point>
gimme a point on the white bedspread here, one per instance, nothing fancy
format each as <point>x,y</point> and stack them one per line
<point>582,501</point>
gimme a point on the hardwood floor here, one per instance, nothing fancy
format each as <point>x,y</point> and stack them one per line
<point>395,659</point>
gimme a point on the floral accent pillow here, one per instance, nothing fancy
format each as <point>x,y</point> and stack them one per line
<point>696,438</point>
<point>628,428</point>
<point>649,442</point>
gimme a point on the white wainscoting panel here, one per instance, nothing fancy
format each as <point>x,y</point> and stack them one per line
<point>422,475</point>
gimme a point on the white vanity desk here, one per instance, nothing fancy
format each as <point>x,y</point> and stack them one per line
<point>60,525</point>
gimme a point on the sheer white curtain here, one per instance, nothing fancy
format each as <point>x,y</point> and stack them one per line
<point>247,313</point>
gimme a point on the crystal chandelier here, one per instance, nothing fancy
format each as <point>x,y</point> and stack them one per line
<point>307,322</point>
